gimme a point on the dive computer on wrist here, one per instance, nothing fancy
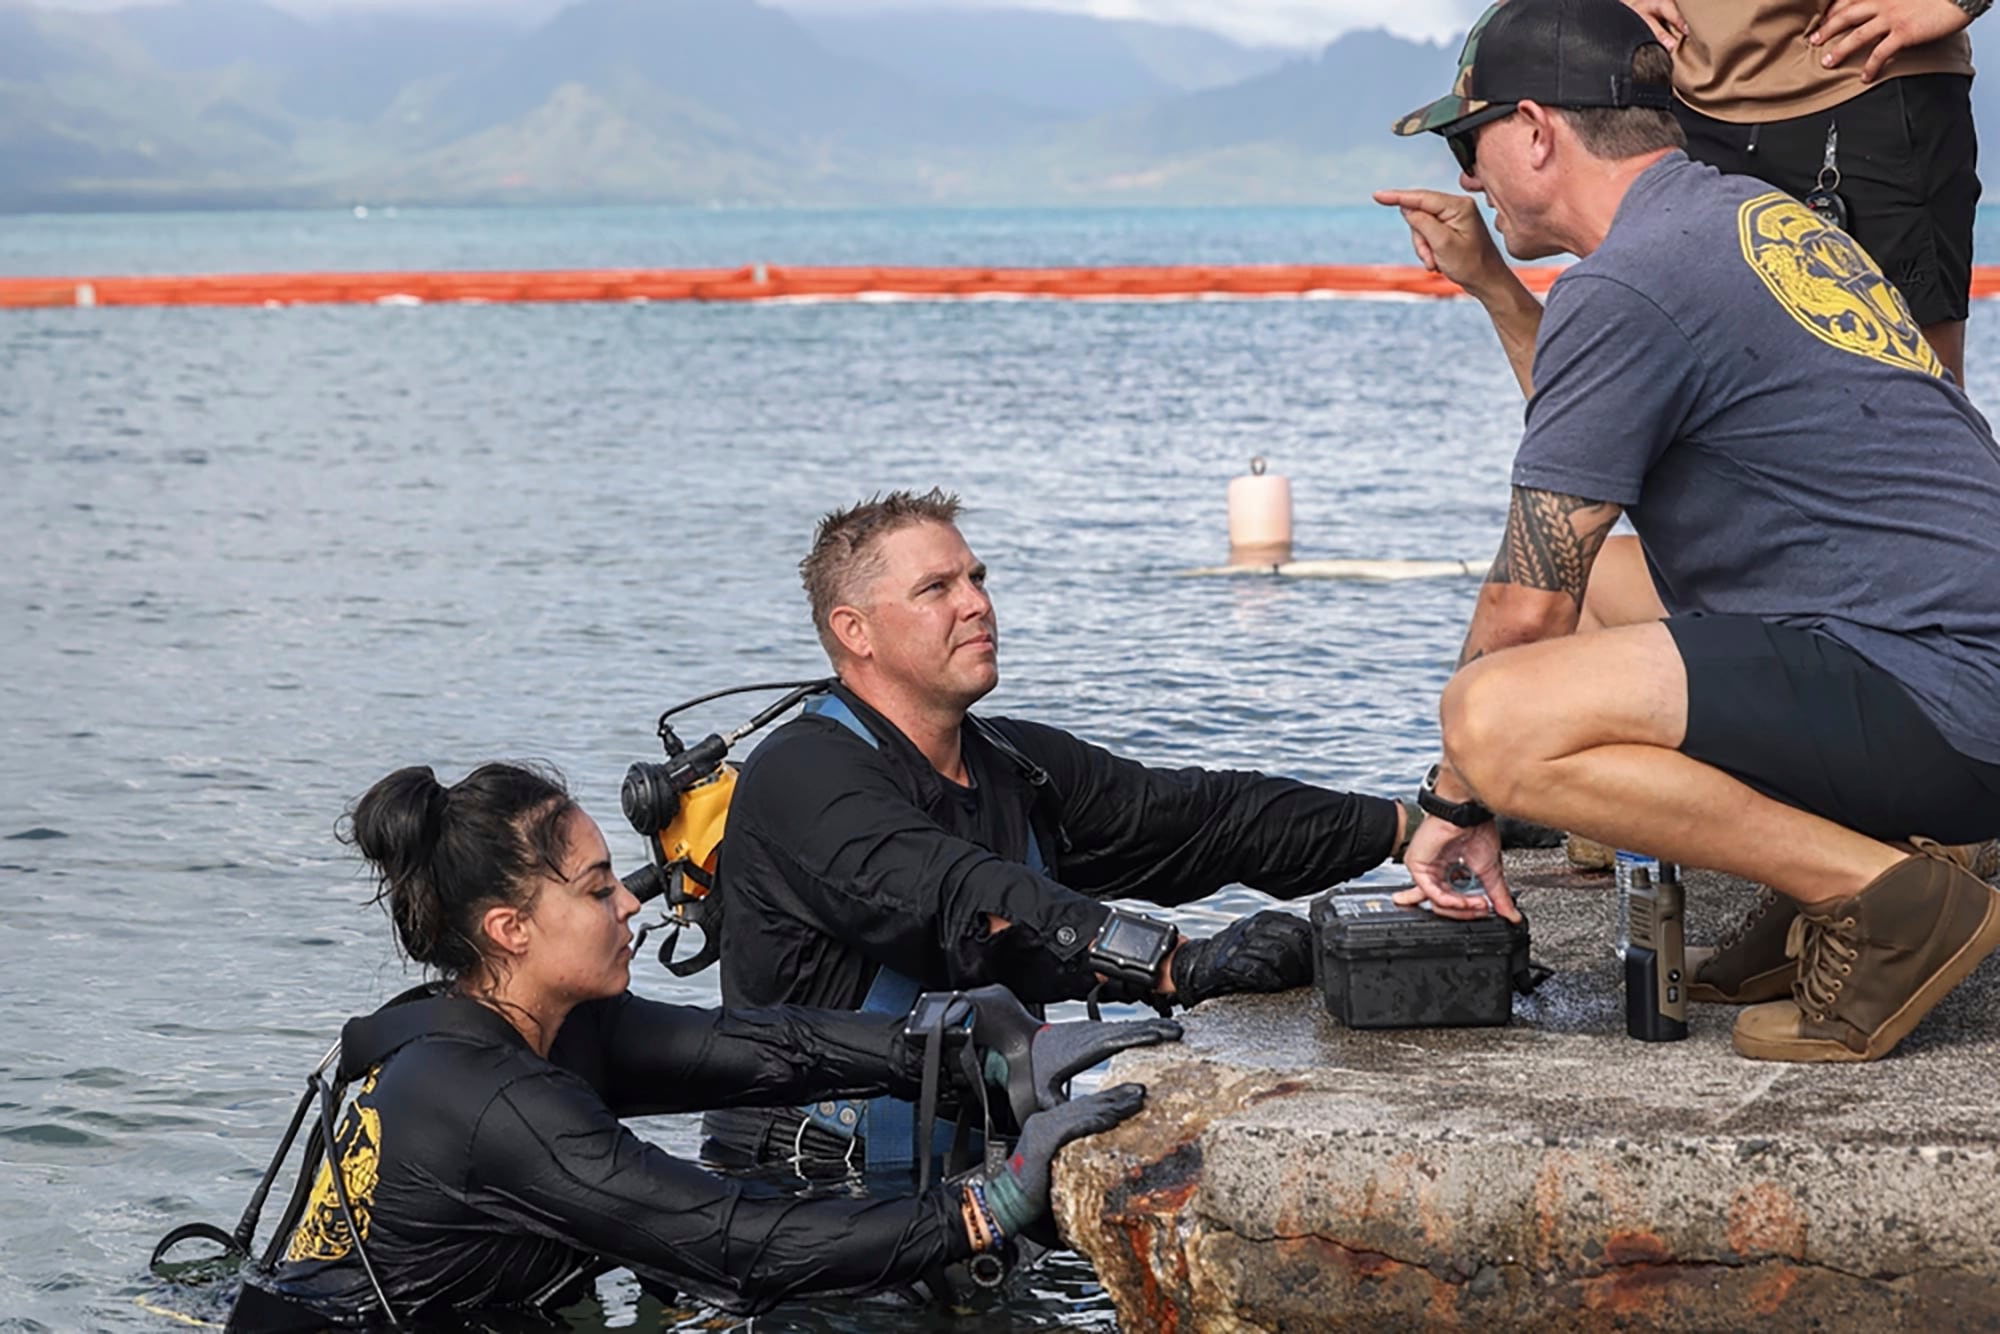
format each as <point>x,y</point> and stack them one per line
<point>1464,814</point>
<point>937,1010</point>
<point>1131,946</point>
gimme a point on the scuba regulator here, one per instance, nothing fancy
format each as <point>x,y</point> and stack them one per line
<point>681,808</point>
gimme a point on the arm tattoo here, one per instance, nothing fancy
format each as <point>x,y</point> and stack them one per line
<point>1551,541</point>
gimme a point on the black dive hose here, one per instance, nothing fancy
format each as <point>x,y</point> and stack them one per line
<point>987,1269</point>
<point>800,690</point>
<point>653,792</point>
<point>923,1131</point>
<point>238,1242</point>
<point>246,1227</point>
<point>295,1207</point>
<point>336,1170</point>
<point>318,1141</point>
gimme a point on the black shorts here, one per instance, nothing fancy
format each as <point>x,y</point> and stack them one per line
<point>1908,171</point>
<point>1807,721</point>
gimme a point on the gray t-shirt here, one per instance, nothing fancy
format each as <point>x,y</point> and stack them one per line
<point>1746,383</point>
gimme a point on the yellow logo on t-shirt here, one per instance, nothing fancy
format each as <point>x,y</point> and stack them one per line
<point>322,1232</point>
<point>1829,284</point>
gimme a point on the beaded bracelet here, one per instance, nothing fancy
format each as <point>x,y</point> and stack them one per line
<point>969,1217</point>
<point>993,1229</point>
<point>974,1220</point>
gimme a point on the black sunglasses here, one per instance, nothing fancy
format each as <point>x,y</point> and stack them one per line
<point>1465,144</point>
<point>1465,147</point>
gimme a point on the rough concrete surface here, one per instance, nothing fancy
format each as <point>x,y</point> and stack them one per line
<point>1290,1174</point>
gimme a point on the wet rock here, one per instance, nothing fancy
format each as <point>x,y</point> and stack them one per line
<point>1289,1174</point>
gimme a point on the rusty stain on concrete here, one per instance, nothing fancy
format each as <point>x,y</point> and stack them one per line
<point>1764,1220</point>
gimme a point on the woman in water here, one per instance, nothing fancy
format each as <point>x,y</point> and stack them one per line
<point>483,1156</point>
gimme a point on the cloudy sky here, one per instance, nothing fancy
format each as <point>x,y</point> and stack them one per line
<point>1282,22</point>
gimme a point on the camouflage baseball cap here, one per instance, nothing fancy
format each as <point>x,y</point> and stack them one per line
<point>1561,53</point>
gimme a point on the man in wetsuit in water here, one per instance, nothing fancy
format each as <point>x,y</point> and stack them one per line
<point>894,839</point>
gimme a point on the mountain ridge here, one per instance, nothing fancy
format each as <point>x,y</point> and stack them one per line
<point>226,103</point>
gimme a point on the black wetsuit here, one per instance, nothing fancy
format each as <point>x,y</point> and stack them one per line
<point>843,858</point>
<point>487,1175</point>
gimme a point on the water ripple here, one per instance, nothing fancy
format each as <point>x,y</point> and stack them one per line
<point>257,559</point>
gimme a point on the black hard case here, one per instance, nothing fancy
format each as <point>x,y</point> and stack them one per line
<point>1378,965</point>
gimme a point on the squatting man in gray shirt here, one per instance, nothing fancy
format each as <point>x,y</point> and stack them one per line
<point>1795,667</point>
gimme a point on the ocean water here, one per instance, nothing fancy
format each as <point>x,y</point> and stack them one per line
<point>255,559</point>
<point>388,237</point>
<point>653,237</point>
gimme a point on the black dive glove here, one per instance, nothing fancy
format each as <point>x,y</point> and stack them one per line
<point>1267,951</point>
<point>1034,1060</point>
<point>1017,1193</point>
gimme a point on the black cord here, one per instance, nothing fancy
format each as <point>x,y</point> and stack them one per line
<point>338,1171</point>
<point>687,704</point>
<point>295,1207</point>
<point>239,1241</point>
<point>246,1227</point>
<point>923,1131</point>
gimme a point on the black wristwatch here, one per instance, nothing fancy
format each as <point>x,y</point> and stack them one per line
<point>1974,8</point>
<point>1413,820</point>
<point>1130,946</point>
<point>1464,814</point>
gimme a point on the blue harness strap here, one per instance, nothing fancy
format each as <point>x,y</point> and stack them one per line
<point>888,1126</point>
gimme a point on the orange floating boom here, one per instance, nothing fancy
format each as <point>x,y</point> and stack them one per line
<point>766,282</point>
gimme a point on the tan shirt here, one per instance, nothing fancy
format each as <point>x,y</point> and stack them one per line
<point>1748,60</point>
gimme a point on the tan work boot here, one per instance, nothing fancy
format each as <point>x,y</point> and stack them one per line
<point>1750,966</point>
<point>1872,966</point>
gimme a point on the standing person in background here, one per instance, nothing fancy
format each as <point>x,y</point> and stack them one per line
<point>1861,108</point>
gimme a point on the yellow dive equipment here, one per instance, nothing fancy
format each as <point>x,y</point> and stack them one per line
<point>681,807</point>
<point>693,837</point>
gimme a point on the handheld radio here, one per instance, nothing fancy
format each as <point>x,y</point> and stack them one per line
<point>1656,1006</point>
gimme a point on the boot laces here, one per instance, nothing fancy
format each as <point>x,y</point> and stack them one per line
<point>1766,900</point>
<point>1826,950</point>
<point>1936,851</point>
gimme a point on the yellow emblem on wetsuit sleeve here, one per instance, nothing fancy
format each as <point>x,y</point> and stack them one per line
<point>322,1231</point>
<point>1829,284</point>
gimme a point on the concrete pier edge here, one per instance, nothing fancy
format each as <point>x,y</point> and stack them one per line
<point>1289,1174</point>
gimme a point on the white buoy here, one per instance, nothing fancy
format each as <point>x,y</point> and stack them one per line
<point>1260,517</point>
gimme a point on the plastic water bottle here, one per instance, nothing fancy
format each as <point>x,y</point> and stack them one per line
<point>1623,865</point>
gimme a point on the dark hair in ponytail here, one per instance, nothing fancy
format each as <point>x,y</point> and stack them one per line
<point>443,855</point>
